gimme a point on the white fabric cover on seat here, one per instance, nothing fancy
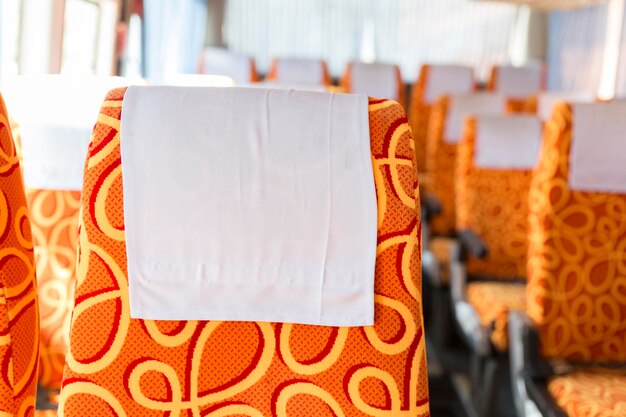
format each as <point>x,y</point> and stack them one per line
<point>375,80</point>
<point>598,150</point>
<point>519,82</point>
<point>249,204</point>
<point>448,79</point>
<point>299,71</point>
<point>462,105</point>
<point>220,61</point>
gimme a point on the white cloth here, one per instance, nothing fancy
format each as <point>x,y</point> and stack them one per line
<point>220,61</point>
<point>56,114</point>
<point>249,204</point>
<point>519,82</point>
<point>598,150</point>
<point>546,102</point>
<point>462,105</point>
<point>282,86</point>
<point>375,80</point>
<point>448,79</point>
<point>299,71</point>
<point>54,156</point>
<point>507,142</point>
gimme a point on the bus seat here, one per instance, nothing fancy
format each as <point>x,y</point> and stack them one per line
<point>127,366</point>
<point>433,82</point>
<point>238,67</point>
<point>441,148</point>
<point>519,83</point>
<point>375,80</point>
<point>19,326</point>
<point>494,163</point>
<point>299,71</point>
<point>577,237</point>
<point>54,117</point>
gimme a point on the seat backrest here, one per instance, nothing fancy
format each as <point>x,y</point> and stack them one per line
<point>375,80</point>
<point>299,71</point>
<point>516,81</point>
<point>134,366</point>
<point>53,152</point>
<point>19,319</point>
<point>577,240</point>
<point>494,164</point>
<point>219,61</point>
<point>434,81</point>
<point>445,131</point>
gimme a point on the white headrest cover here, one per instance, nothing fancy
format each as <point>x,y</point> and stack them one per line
<point>547,100</point>
<point>299,71</point>
<point>462,105</point>
<point>56,114</point>
<point>598,150</point>
<point>519,81</point>
<point>448,79</point>
<point>375,80</point>
<point>219,61</point>
<point>507,142</point>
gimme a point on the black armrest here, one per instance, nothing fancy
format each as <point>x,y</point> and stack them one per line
<point>431,207</point>
<point>472,244</point>
<point>535,366</point>
<point>538,393</point>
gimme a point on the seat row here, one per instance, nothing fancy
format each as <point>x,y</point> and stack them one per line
<point>525,231</point>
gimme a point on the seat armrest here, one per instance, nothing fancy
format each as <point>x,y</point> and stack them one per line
<point>431,207</point>
<point>472,244</point>
<point>538,393</point>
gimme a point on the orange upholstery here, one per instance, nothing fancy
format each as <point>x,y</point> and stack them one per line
<point>419,114</point>
<point>129,367</point>
<point>19,321</point>
<point>54,220</point>
<point>345,84</point>
<point>591,393</point>
<point>493,301</point>
<point>494,205</point>
<point>577,249</point>
<point>440,165</point>
<point>273,75</point>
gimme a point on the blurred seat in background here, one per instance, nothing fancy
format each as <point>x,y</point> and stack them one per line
<point>299,71</point>
<point>493,171</point>
<point>219,61</point>
<point>375,80</point>
<point>518,83</point>
<point>433,82</point>
<point>19,321</point>
<point>573,342</point>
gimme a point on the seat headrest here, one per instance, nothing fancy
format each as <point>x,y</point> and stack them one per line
<point>519,81</point>
<point>462,105</point>
<point>448,79</point>
<point>220,61</point>
<point>507,142</point>
<point>547,100</point>
<point>376,80</point>
<point>597,160</point>
<point>299,71</point>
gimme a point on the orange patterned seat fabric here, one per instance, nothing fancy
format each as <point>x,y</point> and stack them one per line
<point>19,322</point>
<point>419,115</point>
<point>591,393</point>
<point>130,367</point>
<point>577,250</point>
<point>493,301</point>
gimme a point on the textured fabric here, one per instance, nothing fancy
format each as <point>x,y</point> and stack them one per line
<point>576,272</point>
<point>347,84</point>
<point>299,71</point>
<point>54,221</point>
<point>494,205</point>
<point>280,245</point>
<point>591,393</point>
<point>420,108</point>
<point>441,249</point>
<point>19,318</point>
<point>493,301</point>
<point>147,368</point>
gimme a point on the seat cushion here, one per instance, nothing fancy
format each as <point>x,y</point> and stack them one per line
<point>492,302</point>
<point>591,393</point>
